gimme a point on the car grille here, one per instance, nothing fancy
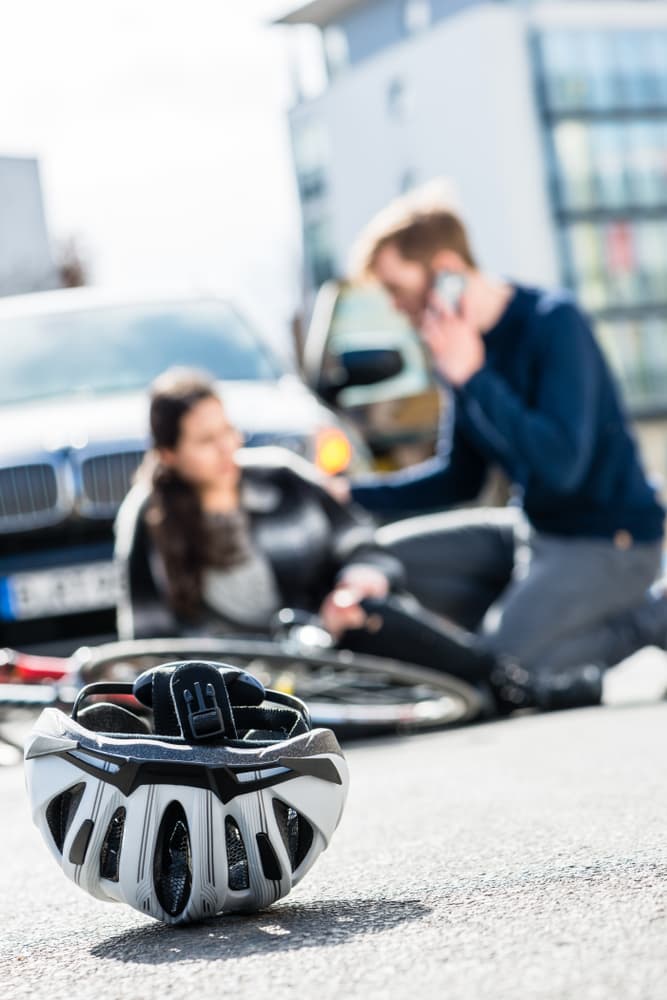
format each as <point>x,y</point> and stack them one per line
<point>105,479</point>
<point>28,496</point>
<point>42,494</point>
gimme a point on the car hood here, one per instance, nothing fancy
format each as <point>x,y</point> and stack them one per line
<point>282,407</point>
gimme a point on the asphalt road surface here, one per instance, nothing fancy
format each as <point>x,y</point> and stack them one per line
<point>519,859</point>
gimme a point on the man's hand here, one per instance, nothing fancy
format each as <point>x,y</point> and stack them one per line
<point>341,609</point>
<point>339,488</point>
<point>453,340</point>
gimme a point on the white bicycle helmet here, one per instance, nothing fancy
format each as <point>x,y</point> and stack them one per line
<point>223,804</point>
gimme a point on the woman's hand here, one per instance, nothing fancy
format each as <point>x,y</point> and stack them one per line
<point>341,609</point>
<point>339,488</point>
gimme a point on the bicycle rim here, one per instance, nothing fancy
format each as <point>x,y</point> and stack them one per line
<point>348,692</point>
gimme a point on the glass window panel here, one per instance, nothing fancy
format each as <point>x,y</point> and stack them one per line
<point>661,143</point>
<point>559,68</point>
<point>399,102</point>
<point>607,335</point>
<point>654,350</point>
<point>318,250</point>
<point>607,154</point>
<point>657,58</point>
<point>631,370</point>
<point>311,157</point>
<point>629,69</point>
<point>637,354</point>
<point>311,146</point>
<point>596,55</point>
<point>571,140</point>
<point>652,250</point>
<point>643,164</point>
<point>621,350</point>
<point>549,58</point>
<point>622,263</point>
<point>588,265</point>
<point>604,69</point>
<point>644,90</point>
<point>566,257</point>
<point>577,89</point>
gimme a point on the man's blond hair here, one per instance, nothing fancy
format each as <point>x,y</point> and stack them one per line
<point>418,230</point>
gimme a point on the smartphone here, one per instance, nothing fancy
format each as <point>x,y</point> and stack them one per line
<point>450,286</point>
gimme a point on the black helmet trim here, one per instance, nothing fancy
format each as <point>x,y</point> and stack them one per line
<point>129,774</point>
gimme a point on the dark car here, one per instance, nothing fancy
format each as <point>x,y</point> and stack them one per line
<point>73,407</point>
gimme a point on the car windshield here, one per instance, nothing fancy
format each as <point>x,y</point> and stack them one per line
<point>110,349</point>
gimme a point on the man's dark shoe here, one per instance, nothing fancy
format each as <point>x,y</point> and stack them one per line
<point>577,687</point>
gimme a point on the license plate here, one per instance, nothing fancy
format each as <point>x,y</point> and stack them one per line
<point>65,590</point>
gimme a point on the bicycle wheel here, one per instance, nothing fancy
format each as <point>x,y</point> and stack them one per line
<point>18,703</point>
<point>351,693</point>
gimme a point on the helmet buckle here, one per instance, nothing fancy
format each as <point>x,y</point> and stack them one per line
<point>206,720</point>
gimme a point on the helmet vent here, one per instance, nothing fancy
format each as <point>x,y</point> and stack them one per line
<point>110,852</point>
<point>267,855</point>
<point>237,859</point>
<point>296,831</point>
<point>172,864</point>
<point>60,812</point>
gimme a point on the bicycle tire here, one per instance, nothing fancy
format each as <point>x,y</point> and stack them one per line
<point>354,694</point>
<point>350,692</point>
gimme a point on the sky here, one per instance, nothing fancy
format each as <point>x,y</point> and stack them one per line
<point>161,130</point>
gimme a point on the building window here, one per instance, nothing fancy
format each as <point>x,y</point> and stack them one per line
<point>608,155</point>
<point>605,124</point>
<point>398,99</point>
<point>564,80</point>
<point>407,181</point>
<point>637,352</point>
<point>574,174</point>
<point>604,70</point>
<point>336,49</point>
<point>318,251</point>
<point>619,262</point>
<point>311,157</point>
<point>610,165</point>
<point>416,15</point>
<point>596,59</point>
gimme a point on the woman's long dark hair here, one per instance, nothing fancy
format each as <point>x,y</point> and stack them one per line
<point>174,517</point>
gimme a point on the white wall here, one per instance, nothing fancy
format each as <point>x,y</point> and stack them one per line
<point>472,118</point>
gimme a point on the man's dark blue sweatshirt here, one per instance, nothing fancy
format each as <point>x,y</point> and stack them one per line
<point>545,408</point>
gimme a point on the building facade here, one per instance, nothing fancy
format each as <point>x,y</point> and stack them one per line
<point>26,260</point>
<point>549,121</point>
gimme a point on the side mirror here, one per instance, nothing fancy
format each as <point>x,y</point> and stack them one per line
<point>370,366</point>
<point>365,367</point>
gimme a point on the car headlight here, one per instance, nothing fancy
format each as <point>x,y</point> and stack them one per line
<point>333,451</point>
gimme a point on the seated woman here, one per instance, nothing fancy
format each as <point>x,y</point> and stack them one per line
<point>215,539</point>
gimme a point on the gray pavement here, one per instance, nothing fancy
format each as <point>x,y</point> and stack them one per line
<point>519,859</point>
